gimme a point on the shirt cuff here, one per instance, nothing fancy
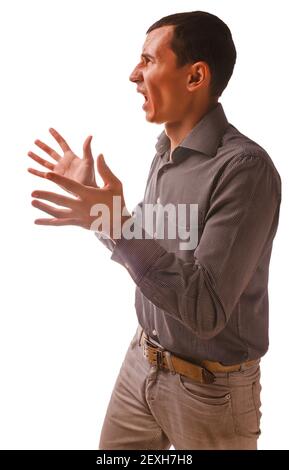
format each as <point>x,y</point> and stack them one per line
<point>137,255</point>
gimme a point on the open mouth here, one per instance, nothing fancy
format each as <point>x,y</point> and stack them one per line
<point>145,97</point>
<point>145,103</point>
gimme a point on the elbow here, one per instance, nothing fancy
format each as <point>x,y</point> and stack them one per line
<point>208,332</point>
<point>206,317</point>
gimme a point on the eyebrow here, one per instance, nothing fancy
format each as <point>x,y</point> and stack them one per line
<point>149,56</point>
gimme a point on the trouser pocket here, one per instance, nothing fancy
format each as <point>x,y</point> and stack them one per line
<point>246,404</point>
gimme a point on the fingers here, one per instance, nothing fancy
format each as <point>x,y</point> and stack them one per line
<point>56,198</point>
<point>58,213</point>
<point>105,172</point>
<point>87,154</point>
<point>68,184</point>
<point>42,174</point>
<point>48,150</point>
<point>62,142</point>
<point>55,221</point>
<point>40,160</point>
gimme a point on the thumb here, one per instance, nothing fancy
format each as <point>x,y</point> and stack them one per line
<point>87,154</point>
<point>105,172</point>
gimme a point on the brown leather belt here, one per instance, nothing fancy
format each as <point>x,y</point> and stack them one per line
<point>203,373</point>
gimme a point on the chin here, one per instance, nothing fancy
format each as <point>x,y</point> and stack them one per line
<point>151,115</point>
<point>149,119</point>
<point>154,119</point>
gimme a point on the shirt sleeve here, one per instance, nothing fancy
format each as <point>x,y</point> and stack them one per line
<point>106,240</point>
<point>240,224</point>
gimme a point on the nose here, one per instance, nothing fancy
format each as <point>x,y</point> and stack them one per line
<point>135,75</point>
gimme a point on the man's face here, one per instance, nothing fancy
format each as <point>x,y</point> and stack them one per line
<point>162,83</point>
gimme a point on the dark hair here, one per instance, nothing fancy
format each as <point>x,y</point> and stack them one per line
<point>201,36</point>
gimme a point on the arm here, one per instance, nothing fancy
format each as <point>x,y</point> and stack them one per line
<point>242,218</point>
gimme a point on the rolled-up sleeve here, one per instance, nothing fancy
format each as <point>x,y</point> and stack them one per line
<point>240,225</point>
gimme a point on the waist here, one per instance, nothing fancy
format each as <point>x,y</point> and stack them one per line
<point>212,366</point>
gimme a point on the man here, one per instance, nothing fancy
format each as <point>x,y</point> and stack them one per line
<point>191,375</point>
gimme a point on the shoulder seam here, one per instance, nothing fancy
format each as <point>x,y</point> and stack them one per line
<point>247,157</point>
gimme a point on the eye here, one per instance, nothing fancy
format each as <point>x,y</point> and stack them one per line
<point>146,59</point>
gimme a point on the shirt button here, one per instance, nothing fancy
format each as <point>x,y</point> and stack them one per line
<point>155,235</point>
<point>154,332</point>
<point>158,200</point>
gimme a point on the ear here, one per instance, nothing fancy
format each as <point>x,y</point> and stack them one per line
<point>199,75</point>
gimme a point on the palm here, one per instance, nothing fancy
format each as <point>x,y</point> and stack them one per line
<point>76,168</point>
<point>69,164</point>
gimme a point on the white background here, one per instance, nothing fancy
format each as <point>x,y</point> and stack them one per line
<point>67,310</point>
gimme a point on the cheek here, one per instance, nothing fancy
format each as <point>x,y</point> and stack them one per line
<point>170,99</point>
<point>163,95</point>
<point>165,91</point>
<point>157,84</point>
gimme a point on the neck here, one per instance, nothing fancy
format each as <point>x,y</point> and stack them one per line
<point>177,131</point>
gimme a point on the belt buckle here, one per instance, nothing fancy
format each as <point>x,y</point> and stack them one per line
<point>160,357</point>
<point>159,352</point>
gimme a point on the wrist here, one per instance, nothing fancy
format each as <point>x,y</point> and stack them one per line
<point>124,218</point>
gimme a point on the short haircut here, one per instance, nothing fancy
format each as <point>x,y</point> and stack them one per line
<point>201,36</point>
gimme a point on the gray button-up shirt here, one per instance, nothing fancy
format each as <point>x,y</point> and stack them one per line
<point>209,301</point>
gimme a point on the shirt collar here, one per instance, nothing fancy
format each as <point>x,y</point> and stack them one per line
<point>204,137</point>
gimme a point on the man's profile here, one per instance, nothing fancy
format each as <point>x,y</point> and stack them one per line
<point>191,375</point>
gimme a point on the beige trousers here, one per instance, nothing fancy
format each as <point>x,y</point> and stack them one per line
<point>152,408</point>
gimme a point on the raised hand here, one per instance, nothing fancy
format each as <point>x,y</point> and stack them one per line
<point>78,211</point>
<point>69,164</point>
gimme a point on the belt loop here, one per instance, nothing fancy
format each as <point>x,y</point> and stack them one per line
<point>242,367</point>
<point>170,362</point>
<point>141,330</point>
